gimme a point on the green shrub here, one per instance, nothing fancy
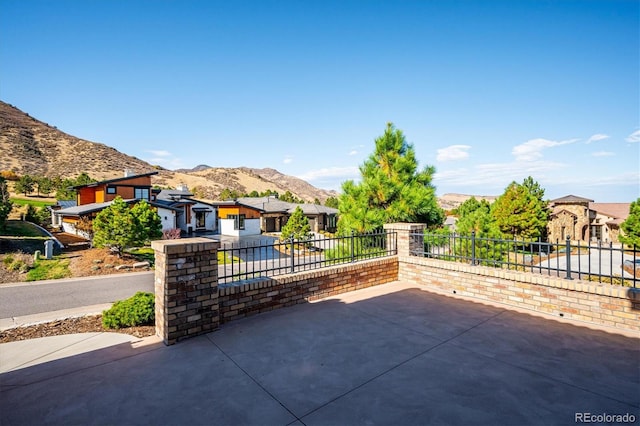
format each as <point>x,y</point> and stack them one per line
<point>136,310</point>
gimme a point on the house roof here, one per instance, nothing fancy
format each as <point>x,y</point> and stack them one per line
<point>96,207</point>
<point>274,205</point>
<point>614,210</point>
<point>88,208</point>
<point>102,182</point>
<point>571,199</point>
<point>173,194</point>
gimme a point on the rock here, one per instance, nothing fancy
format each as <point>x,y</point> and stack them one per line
<point>121,267</point>
<point>144,264</point>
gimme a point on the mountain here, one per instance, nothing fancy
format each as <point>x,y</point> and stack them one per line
<point>452,201</point>
<point>32,147</point>
<point>36,148</point>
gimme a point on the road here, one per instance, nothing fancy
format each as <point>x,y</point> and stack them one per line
<point>45,296</point>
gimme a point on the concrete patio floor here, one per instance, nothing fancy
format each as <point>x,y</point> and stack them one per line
<point>389,355</point>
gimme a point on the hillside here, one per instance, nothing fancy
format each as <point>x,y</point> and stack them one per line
<point>452,201</point>
<point>32,147</point>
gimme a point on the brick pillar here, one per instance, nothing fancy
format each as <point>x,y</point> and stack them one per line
<point>407,240</point>
<point>186,288</point>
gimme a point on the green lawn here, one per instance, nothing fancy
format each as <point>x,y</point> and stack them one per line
<point>53,269</point>
<point>18,228</point>
<point>33,202</point>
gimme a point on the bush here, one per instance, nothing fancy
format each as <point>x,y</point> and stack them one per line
<point>136,310</point>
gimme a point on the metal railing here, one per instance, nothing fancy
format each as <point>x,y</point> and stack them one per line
<point>252,260</point>
<point>603,263</point>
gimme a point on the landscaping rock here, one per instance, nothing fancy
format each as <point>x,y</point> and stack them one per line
<point>121,267</point>
<point>144,264</point>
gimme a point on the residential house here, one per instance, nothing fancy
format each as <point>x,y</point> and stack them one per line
<point>93,197</point>
<point>255,215</point>
<point>584,220</point>
<point>178,210</point>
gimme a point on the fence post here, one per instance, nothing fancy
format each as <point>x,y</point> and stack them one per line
<point>186,288</point>
<point>473,248</point>
<point>352,246</point>
<point>293,256</point>
<point>409,238</point>
<point>568,255</point>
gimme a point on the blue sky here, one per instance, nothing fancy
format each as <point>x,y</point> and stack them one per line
<point>488,92</point>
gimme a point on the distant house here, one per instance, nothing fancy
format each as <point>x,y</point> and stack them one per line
<point>178,209</point>
<point>582,219</point>
<point>254,215</point>
<point>93,197</point>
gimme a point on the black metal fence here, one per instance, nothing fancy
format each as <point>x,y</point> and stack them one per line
<point>264,259</point>
<point>603,263</point>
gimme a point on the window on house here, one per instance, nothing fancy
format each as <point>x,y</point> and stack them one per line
<point>141,193</point>
<point>111,189</point>
<point>238,220</point>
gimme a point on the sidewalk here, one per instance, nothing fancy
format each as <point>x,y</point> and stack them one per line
<point>392,354</point>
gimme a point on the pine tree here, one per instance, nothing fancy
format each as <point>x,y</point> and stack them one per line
<point>297,226</point>
<point>24,185</point>
<point>115,227</point>
<point>521,212</point>
<point>150,224</point>
<point>392,188</point>
<point>5,203</point>
<point>631,226</point>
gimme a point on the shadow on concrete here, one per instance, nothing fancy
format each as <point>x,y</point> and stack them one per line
<point>385,355</point>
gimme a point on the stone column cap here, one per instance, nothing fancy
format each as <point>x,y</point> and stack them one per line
<point>185,245</point>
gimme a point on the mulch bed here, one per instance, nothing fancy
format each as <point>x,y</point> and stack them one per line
<point>86,324</point>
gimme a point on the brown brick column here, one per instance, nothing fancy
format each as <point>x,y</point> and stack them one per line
<point>407,241</point>
<point>186,288</point>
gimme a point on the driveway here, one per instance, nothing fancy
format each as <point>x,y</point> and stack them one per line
<point>387,355</point>
<point>598,262</point>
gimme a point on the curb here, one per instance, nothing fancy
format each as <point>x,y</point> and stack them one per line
<point>44,317</point>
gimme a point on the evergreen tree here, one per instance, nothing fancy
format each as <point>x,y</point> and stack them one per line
<point>392,188</point>
<point>150,224</point>
<point>24,185</point>
<point>119,227</point>
<point>631,226</point>
<point>521,212</point>
<point>115,227</point>
<point>332,202</point>
<point>5,203</point>
<point>45,185</point>
<point>297,226</point>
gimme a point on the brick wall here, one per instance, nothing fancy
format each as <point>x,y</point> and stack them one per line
<point>186,288</point>
<point>600,304</point>
<point>245,298</point>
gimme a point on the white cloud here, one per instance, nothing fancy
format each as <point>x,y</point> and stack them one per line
<point>453,153</point>
<point>603,154</point>
<point>288,159</point>
<point>496,176</point>
<point>634,137</point>
<point>597,137</point>
<point>532,149</point>
<point>160,153</point>
<point>353,152</point>
<point>350,172</point>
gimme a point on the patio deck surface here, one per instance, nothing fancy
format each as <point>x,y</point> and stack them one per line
<point>389,355</point>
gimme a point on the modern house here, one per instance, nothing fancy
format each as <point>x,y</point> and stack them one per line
<point>93,197</point>
<point>255,215</point>
<point>178,210</point>
<point>584,220</point>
